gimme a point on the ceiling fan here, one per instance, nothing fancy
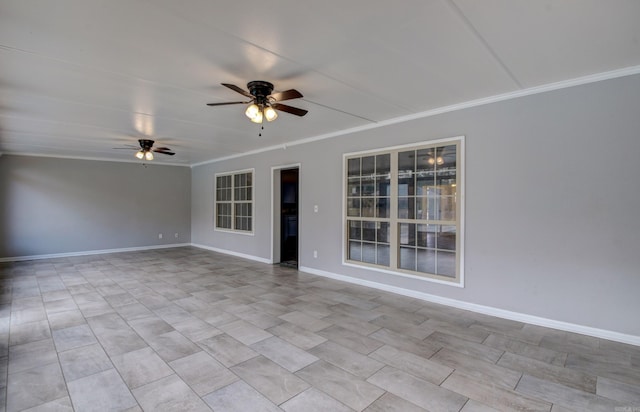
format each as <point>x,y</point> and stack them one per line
<point>146,150</point>
<point>264,104</point>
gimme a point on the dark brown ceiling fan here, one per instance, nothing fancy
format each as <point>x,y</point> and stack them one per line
<point>146,150</point>
<point>264,104</point>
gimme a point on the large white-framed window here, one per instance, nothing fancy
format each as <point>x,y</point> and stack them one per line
<point>234,201</point>
<point>404,209</point>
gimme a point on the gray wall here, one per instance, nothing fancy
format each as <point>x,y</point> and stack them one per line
<point>552,201</point>
<point>52,206</point>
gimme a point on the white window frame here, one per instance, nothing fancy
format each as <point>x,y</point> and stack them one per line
<point>233,202</point>
<point>458,280</point>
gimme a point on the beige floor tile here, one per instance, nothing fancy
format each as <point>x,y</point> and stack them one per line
<point>203,373</point>
<point>417,391</point>
<point>169,394</point>
<point>497,397</point>
<point>343,386</point>
<point>273,381</point>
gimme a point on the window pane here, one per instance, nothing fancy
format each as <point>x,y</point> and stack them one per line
<point>447,238</point>
<point>223,213</point>
<point>368,165</point>
<point>446,157</point>
<point>353,165</point>
<point>426,261</point>
<point>406,184</point>
<point>383,186</point>
<point>383,207</point>
<point>353,188</point>
<point>368,207</point>
<point>406,161</point>
<point>422,207</point>
<point>383,164</point>
<point>353,207</point>
<point>368,186</point>
<point>446,264</point>
<point>447,208</point>
<point>369,231</point>
<point>382,255</point>
<point>424,181</point>
<point>432,211</point>
<point>446,179</point>
<point>407,258</point>
<point>426,160</point>
<point>369,252</point>
<point>427,236</point>
<point>355,250</point>
<point>406,207</point>
<point>407,234</point>
<point>383,234</point>
<point>355,230</point>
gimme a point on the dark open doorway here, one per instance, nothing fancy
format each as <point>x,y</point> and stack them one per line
<point>289,217</point>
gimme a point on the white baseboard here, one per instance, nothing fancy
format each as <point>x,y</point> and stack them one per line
<point>232,253</point>
<point>486,310</point>
<point>90,252</point>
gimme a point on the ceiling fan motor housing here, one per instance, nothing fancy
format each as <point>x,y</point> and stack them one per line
<point>260,90</point>
<point>145,144</point>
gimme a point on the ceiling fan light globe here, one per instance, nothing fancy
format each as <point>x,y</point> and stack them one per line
<point>148,156</point>
<point>140,154</point>
<point>257,118</point>
<point>270,114</point>
<point>252,111</point>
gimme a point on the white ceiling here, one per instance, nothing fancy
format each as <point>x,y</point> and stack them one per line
<point>80,77</point>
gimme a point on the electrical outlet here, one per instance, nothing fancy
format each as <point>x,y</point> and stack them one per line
<point>176,235</point>
<point>315,208</point>
<point>315,254</point>
<point>159,235</point>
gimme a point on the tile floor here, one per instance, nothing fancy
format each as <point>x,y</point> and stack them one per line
<point>191,330</point>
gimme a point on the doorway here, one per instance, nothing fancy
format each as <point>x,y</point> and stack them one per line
<point>289,217</point>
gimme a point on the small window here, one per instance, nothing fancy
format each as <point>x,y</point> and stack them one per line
<point>403,209</point>
<point>234,201</point>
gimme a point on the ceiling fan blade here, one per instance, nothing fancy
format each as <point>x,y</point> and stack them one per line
<point>286,95</point>
<point>226,103</point>
<point>164,152</point>
<point>289,109</point>
<point>163,148</point>
<point>126,148</point>
<point>237,89</point>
